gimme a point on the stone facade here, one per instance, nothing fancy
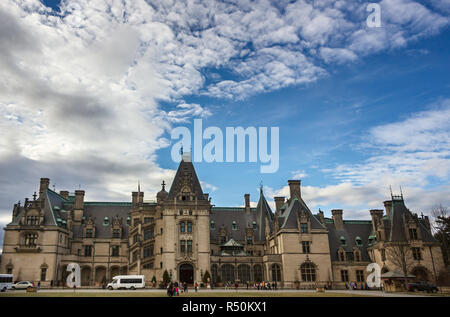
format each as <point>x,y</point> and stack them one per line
<point>183,233</point>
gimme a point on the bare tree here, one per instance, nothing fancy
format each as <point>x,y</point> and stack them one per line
<point>441,228</point>
<point>400,255</point>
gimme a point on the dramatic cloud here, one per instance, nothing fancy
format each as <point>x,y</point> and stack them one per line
<point>404,154</point>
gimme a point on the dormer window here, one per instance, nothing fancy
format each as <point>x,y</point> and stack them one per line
<point>32,220</point>
<point>234,225</point>
<point>106,221</point>
<point>254,225</point>
<point>413,233</point>
<point>342,240</point>
<point>212,225</point>
<point>358,241</point>
<point>304,228</point>
<point>128,221</point>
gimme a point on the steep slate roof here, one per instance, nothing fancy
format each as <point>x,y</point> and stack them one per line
<point>292,211</point>
<point>224,217</point>
<point>263,214</point>
<point>352,230</point>
<point>395,231</point>
<point>185,170</point>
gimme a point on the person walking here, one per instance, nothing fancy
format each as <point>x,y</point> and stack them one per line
<point>196,287</point>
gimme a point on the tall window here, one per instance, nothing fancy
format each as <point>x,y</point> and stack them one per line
<point>413,233</point>
<point>89,233</point>
<point>31,240</point>
<point>135,256</point>
<point>357,256</point>
<point>244,273</point>
<point>305,247</point>
<point>189,227</point>
<point>214,272</point>
<point>360,276</point>
<point>257,271</point>
<point>182,227</point>
<point>383,255</point>
<point>213,225</point>
<point>254,225</point>
<point>341,255</point>
<point>308,272</point>
<point>88,250</point>
<point>182,246</point>
<point>276,273</point>
<point>115,250</point>
<point>43,273</point>
<point>416,254</point>
<point>228,273</point>
<point>304,228</point>
<point>189,246</point>
<point>344,275</point>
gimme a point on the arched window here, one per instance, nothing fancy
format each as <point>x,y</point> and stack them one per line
<point>358,241</point>
<point>342,239</point>
<point>228,273</point>
<point>254,225</point>
<point>276,273</point>
<point>213,225</point>
<point>244,273</point>
<point>257,271</point>
<point>234,225</point>
<point>106,221</point>
<point>308,271</point>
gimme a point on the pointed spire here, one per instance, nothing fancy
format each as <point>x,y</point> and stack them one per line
<point>139,186</point>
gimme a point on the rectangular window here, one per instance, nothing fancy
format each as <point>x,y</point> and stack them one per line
<point>416,254</point>
<point>249,240</point>
<point>149,233</point>
<point>189,227</point>
<point>43,273</point>
<point>116,234</point>
<point>148,251</point>
<point>304,228</point>
<point>182,246</point>
<point>360,276</point>
<point>305,247</point>
<point>88,250</point>
<point>135,222</point>
<point>383,255</point>
<point>148,219</point>
<point>115,250</point>
<point>135,238</point>
<point>182,227</point>
<point>135,256</point>
<point>189,246</point>
<point>413,234</point>
<point>88,233</point>
<point>344,275</point>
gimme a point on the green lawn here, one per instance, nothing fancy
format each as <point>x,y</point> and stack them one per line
<point>190,294</point>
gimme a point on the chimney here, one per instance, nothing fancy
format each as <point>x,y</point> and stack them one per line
<point>43,186</point>
<point>321,217</point>
<point>79,205</point>
<point>337,218</point>
<point>64,193</point>
<point>247,203</point>
<point>376,215</point>
<point>294,188</point>
<point>426,222</point>
<point>141,198</point>
<point>279,202</point>
<point>388,207</point>
<point>134,198</point>
<point>206,195</point>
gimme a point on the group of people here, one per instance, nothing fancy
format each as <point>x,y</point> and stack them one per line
<point>259,286</point>
<point>175,288</point>
<point>355,286</point>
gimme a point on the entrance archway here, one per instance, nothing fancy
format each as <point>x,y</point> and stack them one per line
<point>186,273</point>
<point>420,273</point>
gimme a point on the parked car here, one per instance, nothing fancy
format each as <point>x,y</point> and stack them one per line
<point>22,285</point>
<point>422,286</point>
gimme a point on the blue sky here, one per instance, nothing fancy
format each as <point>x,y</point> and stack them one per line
<point>91,90</point>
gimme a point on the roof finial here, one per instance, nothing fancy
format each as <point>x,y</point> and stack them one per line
<point>401,192</point>
<point>390,187</point>
<point>163,185</point>
<point>181,150</point>
<point>139,186</point>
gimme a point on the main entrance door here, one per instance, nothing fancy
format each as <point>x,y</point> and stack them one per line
<point>187,273</point>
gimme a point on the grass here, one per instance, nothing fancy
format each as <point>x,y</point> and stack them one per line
<point>190,294</point>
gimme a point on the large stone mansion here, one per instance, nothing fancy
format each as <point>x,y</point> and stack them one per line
<point>183,233</point>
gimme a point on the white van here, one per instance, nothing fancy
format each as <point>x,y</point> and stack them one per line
<point>127,282</point>
<point>6,282</point>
